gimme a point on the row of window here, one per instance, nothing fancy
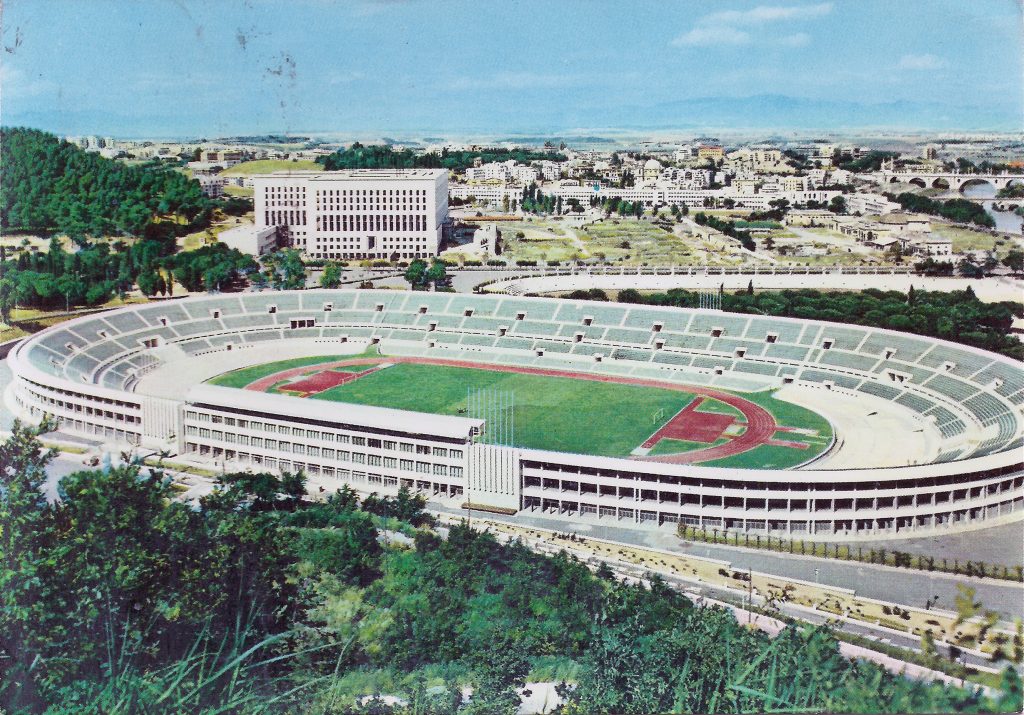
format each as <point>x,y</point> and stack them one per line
<point>362,222</point>
<point>356,440</point>
<point>292,218</point>
<point>371,460</point>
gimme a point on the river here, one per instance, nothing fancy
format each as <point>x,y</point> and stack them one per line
<point>1005,220</point>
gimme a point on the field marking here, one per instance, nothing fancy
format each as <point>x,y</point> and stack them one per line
<point>760,423</point>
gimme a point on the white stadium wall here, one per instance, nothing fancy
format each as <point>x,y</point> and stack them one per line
<point>129,377</point>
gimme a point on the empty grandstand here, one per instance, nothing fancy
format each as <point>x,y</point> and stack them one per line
<point>928,434</point>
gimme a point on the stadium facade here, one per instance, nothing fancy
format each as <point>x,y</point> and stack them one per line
<point>135,376</point>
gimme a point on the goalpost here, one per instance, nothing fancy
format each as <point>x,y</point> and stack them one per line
<point>658,416</point>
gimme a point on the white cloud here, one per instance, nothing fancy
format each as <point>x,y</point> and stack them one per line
<point>921,62</point>
<point>769,13</point>
<point>717,35</point>
<point>725,27</point>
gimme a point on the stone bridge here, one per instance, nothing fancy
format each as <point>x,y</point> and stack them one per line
<point>947,180</point>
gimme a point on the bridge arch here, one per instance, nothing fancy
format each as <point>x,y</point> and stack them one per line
<point>919,182</point>
<point>978,182</point>
<point>941,183</point>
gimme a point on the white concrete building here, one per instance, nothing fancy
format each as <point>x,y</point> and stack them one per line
<point>250,240</point>
<point>359,213</point>
<point>870,204</point>
<point>213,186</point>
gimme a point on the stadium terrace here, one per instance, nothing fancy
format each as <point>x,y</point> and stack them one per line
<point>615,413</point>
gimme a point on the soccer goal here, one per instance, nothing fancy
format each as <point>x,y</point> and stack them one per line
<point>658,416</point>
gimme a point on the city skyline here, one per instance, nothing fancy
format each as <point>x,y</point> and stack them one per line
<point>377,67</point>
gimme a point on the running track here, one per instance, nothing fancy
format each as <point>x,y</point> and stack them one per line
<point>761,425</point>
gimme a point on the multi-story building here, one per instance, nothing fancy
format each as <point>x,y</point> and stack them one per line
<point>359,213</point>
<point>870,204</point>
<point>213,186</point>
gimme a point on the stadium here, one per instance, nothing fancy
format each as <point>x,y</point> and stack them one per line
<point>580,410</point>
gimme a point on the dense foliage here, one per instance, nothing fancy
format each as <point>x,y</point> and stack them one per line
<point>96,272</point>
<point>382,156</point>
<point>959,210</point>
<point>871,161</point>
<point>118,599</point>
<point>51,185</point>
<point>955,315</point>
<point>729,227</point>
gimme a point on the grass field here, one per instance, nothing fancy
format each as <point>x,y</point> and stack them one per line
<point>556,413</point>
<point>678,446</point>
<point>245,375</point>
<point>266,166</point>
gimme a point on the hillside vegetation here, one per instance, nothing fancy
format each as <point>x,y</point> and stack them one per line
<point>119,599</point>
<point>50,185</point>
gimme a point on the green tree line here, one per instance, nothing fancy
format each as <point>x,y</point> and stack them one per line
<point>96,272</point>
<point>959,210</point>
<point>957,316</point>
<point>382,156</point>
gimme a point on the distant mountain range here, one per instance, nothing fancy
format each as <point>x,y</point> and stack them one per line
<point>766,112</point>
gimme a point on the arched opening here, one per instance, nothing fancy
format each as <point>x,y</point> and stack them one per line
<point>978,188</point>
<point>894,180</point>
<point>940,183</point>
<point>919,183</point>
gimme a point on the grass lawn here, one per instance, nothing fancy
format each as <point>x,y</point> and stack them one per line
<point>245,375</point>
<point>765,456</point>
<point>243,191</point>
<point>964,239</point>
<point>266,166</point>
<point>789,415</point>
<point>555,413</point>
<point>678,446</point>
<point>719,408</point>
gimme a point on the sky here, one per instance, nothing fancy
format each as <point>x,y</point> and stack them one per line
<point>188,68</point>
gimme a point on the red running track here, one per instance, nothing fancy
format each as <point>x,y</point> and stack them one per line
<point>761,425</point>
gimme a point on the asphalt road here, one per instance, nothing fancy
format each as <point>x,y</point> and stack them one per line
<point>904,586</point>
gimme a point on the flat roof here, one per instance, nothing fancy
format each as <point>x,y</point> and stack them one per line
<point>339,413</point>
<point>357,174</point>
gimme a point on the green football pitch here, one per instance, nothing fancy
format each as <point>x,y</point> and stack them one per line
<point>556,413</point>
<point>564,414</point>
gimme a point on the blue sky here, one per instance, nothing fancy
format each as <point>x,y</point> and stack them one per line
<point>421,67</point>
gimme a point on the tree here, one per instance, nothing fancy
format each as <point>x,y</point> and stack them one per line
<point>837,205</point>
<point>147,282</point>
<point>1014,260</point>
<point>416,273</point>
<point>499,672</point>
<point>331,276</point>
<point>437,273</point>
